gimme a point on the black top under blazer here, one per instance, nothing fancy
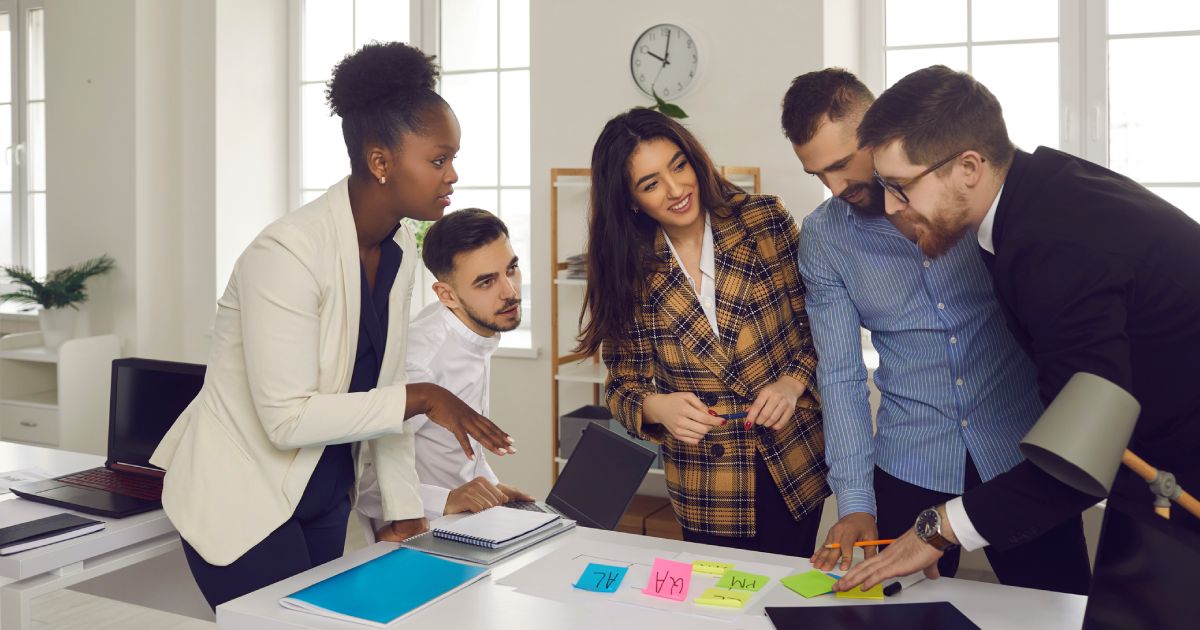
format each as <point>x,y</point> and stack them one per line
<point>1096,274</point>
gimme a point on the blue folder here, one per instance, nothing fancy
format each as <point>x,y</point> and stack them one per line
<point>385,589</point>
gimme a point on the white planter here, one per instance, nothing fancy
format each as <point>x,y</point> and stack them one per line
<point>58,325</point>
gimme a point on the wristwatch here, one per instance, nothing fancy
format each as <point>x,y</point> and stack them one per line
<point>929,529</point>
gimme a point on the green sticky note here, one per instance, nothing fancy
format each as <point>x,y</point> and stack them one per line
<point>711,567</point>
<point>810,584</point>
<point>856,593</point>
<point>723,597</point>
<point>742,581</point>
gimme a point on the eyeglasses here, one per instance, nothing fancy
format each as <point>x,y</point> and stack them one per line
<point>898,191</point>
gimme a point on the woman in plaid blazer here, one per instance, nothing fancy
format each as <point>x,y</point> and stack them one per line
<point>695,299</point>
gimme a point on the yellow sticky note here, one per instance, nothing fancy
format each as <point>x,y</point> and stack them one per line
<point>856,593</point>
<point>723,597</point>
<point>710,567</point>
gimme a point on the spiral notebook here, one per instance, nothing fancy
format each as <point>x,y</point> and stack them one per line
<point>496,527</point>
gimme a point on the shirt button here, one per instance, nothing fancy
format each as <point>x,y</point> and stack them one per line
<point>941,306</point>
<point>717,450</point>
<point>926,264</point>
<point>964,423</point>
<point>959,382</point>
<point>954,340</point>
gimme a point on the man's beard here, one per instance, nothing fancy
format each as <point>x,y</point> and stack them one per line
<point>937,237</point>
<point>873,205</point>
<point>491,324</point>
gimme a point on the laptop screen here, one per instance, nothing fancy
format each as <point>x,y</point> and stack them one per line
<point>146,398</point>
<point>600,478</point>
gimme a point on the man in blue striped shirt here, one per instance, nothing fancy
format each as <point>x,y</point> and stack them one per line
<point>957,393</point>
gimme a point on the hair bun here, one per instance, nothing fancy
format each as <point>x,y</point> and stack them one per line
<point>378,73</point>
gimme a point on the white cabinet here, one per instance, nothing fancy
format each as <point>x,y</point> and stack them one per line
<point>56,398</point>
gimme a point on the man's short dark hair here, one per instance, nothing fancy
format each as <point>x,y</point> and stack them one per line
<point>831,91</point>
<point>936,111</point>
<point>461,231</point>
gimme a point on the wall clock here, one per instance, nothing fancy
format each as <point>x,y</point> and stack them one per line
<point>664,61</point>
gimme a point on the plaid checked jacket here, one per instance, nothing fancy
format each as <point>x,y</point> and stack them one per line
<point>764,335</point>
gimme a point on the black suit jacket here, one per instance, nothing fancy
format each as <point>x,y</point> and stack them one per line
<point>1096,274</point>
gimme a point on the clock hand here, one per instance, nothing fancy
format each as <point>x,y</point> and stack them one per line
<point>667,50</point>
<point>665,62</point>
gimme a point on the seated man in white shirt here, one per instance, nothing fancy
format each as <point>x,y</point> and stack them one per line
<point>450,343</point>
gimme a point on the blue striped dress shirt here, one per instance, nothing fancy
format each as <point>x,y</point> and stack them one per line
<point>952,378</point>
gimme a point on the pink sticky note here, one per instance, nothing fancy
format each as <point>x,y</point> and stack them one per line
<point>669,579</point>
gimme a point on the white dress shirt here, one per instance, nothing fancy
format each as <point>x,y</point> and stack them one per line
<point>956,512</point>
<point>444,351</point>
<point>707,295</point>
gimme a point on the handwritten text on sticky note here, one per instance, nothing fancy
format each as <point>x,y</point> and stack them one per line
<point>711,567</point>
<point>742,581</point>
<point>669,579</point>
<point>724,598</point>
<point>601,578</point>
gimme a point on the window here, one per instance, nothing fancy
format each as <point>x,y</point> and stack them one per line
<point>1091,77</point>
<point>330,30</point>
<point>484,54</point>
<point>483,50</point>
<point>22,135</point>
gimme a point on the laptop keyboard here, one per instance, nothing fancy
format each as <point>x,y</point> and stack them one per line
<point>148,488</point>
<point>524,505</point>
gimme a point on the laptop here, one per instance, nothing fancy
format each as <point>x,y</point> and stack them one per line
<point>146,397</point>
<point>599,480</point>
<point>594,489</point>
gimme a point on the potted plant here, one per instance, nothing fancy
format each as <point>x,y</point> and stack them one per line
<point>62,288</point>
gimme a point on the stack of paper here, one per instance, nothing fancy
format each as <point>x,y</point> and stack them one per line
<point>496,527</point>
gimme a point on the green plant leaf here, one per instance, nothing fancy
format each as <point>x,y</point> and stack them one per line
<point>62,287</point>
<point>674,111</point>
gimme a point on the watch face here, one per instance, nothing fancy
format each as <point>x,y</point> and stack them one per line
<point>927,524</point>
<point>664,61</point>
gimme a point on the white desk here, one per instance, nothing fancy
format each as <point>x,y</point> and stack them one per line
<point>28,574</point>
<point>488,605</point>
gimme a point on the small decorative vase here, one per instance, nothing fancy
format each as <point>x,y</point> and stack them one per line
<point>58,325</point>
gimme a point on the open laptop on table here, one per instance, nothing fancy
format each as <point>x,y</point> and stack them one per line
<point>599,480</point>
<point>594,489</point>
<point>146,398</point>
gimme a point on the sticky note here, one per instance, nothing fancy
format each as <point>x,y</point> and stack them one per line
<point>723,597</point>
<point>669,579</point>
<point>855,593</point>
<point>810,584</point>
<point>601,578</point>
<point>742,581</point>
<point>711,567</point>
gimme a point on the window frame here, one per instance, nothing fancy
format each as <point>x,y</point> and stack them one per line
<point>22,232</point>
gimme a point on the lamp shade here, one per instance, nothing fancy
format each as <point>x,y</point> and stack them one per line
<point>1081,436</point>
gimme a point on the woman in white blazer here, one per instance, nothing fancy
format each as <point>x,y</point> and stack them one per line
<point>307,362</point>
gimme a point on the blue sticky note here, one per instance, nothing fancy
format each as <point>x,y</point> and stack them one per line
<point>601,578</point>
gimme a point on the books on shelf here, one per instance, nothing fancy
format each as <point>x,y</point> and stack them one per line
<point>385,589</point>
<point>45,531</point>
<point>496,527</point>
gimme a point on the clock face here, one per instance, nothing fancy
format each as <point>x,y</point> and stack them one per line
<point>664,61</point>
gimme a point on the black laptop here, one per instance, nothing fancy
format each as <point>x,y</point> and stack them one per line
<point>146,398</point>
<point>599,480</point>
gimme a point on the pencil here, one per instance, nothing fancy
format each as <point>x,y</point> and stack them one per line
<point>734,416</point>
<point>864,543</point>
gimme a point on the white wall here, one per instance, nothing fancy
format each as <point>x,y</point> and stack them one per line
<point>749,52</point>
<point>166,148</point>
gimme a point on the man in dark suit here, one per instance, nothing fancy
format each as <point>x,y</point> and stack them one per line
<point>1094,273</point>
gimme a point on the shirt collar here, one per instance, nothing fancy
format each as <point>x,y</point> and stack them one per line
<point>985,229</point>
<point>484,344</point>
<point>708,267</point>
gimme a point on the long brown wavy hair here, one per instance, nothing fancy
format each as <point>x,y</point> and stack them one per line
<point>621,241</point>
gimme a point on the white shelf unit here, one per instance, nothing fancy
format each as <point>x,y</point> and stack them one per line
<point>573,185</point>
<point>56,398</point>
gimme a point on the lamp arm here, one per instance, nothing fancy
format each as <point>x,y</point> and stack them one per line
<point>1162,484</point>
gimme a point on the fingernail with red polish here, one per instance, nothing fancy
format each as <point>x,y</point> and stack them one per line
<point>748,425</point>
<point>724,422</point>
<point>711,412</point>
